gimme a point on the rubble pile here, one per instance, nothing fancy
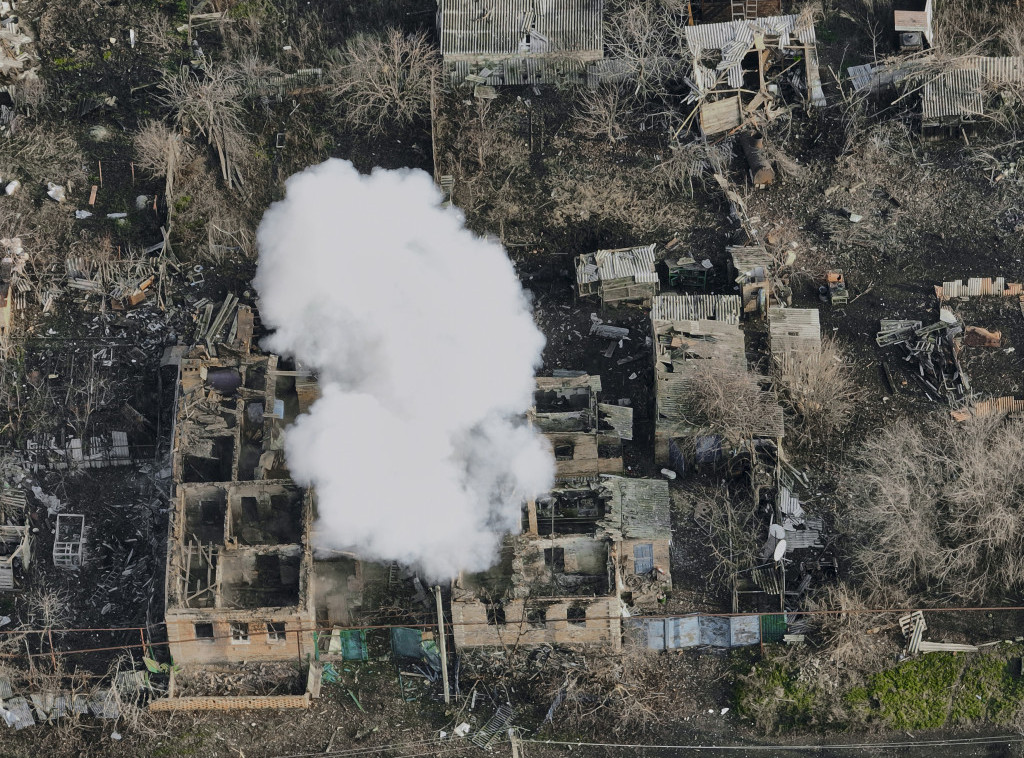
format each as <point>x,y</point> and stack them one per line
<point>932,353</point>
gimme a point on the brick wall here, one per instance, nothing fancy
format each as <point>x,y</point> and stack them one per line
<point>185,647</point>
<point>601,627</point>
<point>244,703</point>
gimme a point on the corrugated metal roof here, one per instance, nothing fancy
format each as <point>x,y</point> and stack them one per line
<point>803,538</point>
<point>545,383</point>
<point>607,71</point>
<point>724,308</point>
<point>793,329</point>
<point>789,504</point>
<point>720,37</point>
<point>645,507</point>
<point>504,28</point>
<point>520,70</point>
<point>680,632</point>
<point>873,78</point>
<point>635,263</point>
<point>734,39</point>
<point>618,417</point>
<point>996,406</point>
<point>978,287</point>
<point>747,258</point>
<point>1000,70</point>
<point>954,93</point>
<point>959,93</point>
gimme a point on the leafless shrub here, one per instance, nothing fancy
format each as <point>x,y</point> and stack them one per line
<point>492,137</point>
<point>47,607</point>
<point>874,149</point>
<point>157,31</point>
<point>783,162</point>
<point>28,93</point>
<point>384,81</point>
<point>37,153</point>
<point>208,223</point>
<point>849,637</point>
<point>693,160</point>
<point>605,194</point>
<point>160,151</point>
<point>940,506</point>
<point>129,700</point>
<point>254,70</point>
<point>604,112</point>
<point>615,689</point>
<point>969,26</point>
<point>874,17</point>
<point>212,105</point>
<point>728,400</point>
<point>817,389</point>
<point>47,231</point>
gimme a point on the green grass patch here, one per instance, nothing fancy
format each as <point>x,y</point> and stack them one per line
<point>917,693</point>
<point>990,688</point>
<point>931,691</point>
<point>68,64</point>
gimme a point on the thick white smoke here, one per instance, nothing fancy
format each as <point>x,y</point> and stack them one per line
<point>426,351</point>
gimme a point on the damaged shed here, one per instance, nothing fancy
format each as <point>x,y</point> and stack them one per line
<point>520,42</point>
<point>952,93</point>
<point>688,343</point>
<point>15,538</point>
<point>733,63</point>
<point>618,276</point>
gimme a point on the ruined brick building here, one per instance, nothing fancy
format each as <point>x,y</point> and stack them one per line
<point>589,547</point>
<point>585,434</point>
<point>242,580</point>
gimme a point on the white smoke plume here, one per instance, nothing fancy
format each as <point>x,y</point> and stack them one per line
<point>426,350</point>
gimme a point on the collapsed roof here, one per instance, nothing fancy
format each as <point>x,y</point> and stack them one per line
<point>717,62</point>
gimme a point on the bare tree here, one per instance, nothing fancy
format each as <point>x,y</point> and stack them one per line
<point>613,689</point>
<point>732,536</point>
<point>603,113</point>
<point>639,36</point>
<point>940,506</point>
<point>384,80</point>
<point>817,389</point>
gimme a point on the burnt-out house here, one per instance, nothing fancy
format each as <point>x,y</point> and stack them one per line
<point>692,334</point>
<point>588,547</point>
<point>242,580</point>
<point>742,71</point>
<point>520,42</point>
<point>585,434</point>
